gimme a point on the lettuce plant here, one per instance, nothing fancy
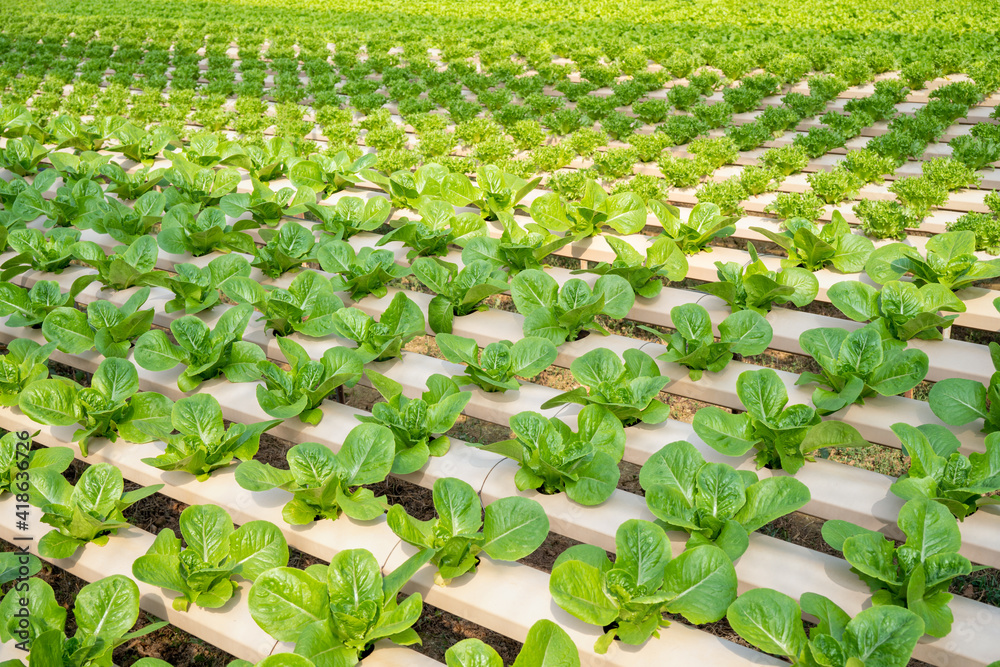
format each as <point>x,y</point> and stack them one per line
<point>693,344</point>
<point>457,292</point>
<point>554,459</point>
<point>22,363</point>
<point>202,186</point>
<point>625,213</point>
<point>323,483</point>
<point>185,231</point>
<point>772,622</point>
<point>784,437</point>
<point>384,339</point>
<point>208,149</point>
<point>628,389</point>
<point>22,155</point>
<point>409,189</point>
<point>901,310</point>
<point>202,442</point>
<point>959,401</point>
<point>89,512</point>
<point>265,206</point>
<point>327,174</point>
<point>11,190</point>
<point>414,421</point>
<point>857,365</point>
<point>713,502</point>
<point>950,261</point>
<point>109,328</point>
<point>270,159</point>
<point>546,644</point>
<point>915,575</point>
<point>814,248</point>
<point>883,219</point>
<point>919,194</point>
<point>663,261</point>
<point>30,307</point>
<point>369,271</point>
<point>562,315</point>
<point>124,223</point>
<point>512,529</point>
<point>103,611</point>
<point>205,352</point>
<point>630,596</point>
<point>437,228</point>
<point>213,553</point>
<point>197,288</point>
<point>351,216</point>
<point>17,465</point>
<point>111,406</point>
<point>306,306</point>
<point>338,611</point>
<point>493,193</point>
<point>130,266</point>
<point>140,146</point>
<point>131,185</point>
<point>975,152</point>
<point>77,205</point>
<point>755,287</point>
<point>517,249</point>
<point>939,472</point>
<point>51,251</point>
<point>301,390</point>
<point>285,249</point>
<point>494,367</point>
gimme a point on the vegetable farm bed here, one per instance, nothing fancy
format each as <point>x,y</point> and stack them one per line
<point>268,260</point>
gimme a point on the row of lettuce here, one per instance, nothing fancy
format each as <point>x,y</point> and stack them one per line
<point>718,505</point>
<point>616,391</point>
<point>203,444</point>
<point>509,128</point>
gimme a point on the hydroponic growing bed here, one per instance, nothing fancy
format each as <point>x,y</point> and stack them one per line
<point>616,334</point>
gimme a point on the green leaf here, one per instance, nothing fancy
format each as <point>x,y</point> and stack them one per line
<point>769,620</point>
<point>206,529</point>
<point>958,401</point>
<point>513,528</point>
<point>700,584</point>
<point>725,432</point>
<point>284,600</point>
<point>367,454</point>
<point>577,588</point>
<point>458,508</point>
<point>929,528</point>
<point>256,547</point>
<point>762,393</point>
<point>68,327</point>
<point>107,608</point>
<point>831,433</point>
<point>51,402</point>
<point>747,332</point>
<point>770,499</point>
<point>643,552</point>
<point>533,290</point>
<point>547,645</point>
<point>353,579</point>
<point>883,636</point>
<point>199,416</point>
<point>472,653</point>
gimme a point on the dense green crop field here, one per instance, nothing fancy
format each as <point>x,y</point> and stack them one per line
<point>326,328</point>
